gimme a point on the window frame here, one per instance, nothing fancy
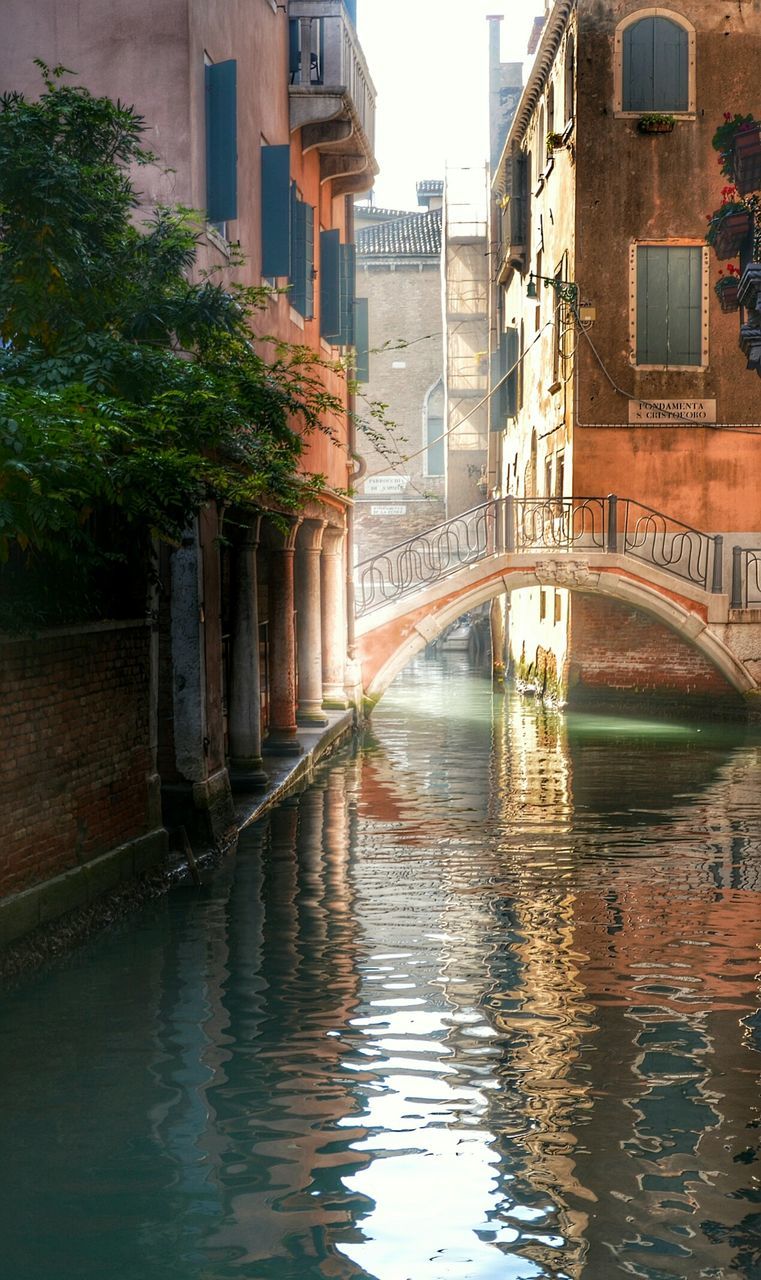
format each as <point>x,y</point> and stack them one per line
<point>705,293</point>
<point>618,62</point>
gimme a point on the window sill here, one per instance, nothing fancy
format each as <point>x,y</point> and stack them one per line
<point>668,368</point>
<point>637,115</point>
<point>297,318</point>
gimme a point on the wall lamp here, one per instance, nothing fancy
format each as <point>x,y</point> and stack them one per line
<point>565,290</point>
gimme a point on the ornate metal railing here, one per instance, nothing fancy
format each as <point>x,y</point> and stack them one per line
<point>517,525</point>
<point>746,578</point>
<point>670,545</point>
<point>425,558</point>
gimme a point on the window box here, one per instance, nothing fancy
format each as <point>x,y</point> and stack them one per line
<point>726,291</point>
<point>656,123</point>
<point>746,159</point>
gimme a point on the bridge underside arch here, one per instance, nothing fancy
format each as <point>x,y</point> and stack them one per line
<point>389,639</point>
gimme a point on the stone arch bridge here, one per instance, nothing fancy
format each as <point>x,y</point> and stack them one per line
<point>708,593</point>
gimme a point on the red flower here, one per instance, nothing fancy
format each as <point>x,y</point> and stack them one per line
<point>727,116</point>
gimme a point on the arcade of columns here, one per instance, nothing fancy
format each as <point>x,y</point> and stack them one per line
<point>308,638</point>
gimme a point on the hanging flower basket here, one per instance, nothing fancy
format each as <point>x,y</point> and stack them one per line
<point>726,291</point>
<point>728,229</point>
<point>655,122</point>
<point>746,158</point>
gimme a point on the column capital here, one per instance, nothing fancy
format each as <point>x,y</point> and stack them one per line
<point>333,539</point>
<point>311,534</point>
<point>282,535</point>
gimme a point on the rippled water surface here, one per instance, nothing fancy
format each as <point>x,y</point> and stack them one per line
<point>483,1003</point>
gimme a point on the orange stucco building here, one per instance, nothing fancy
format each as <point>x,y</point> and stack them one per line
<point>628,376</point>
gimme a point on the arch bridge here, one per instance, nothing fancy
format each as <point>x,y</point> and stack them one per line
<point>407,596</point>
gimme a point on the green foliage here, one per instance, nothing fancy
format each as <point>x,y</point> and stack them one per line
<point>723,140</point>
<point>129,394</point>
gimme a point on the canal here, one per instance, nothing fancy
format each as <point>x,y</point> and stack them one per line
<point>482,1003</point>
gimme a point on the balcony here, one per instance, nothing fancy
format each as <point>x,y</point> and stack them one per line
<point>332,98</point>
<point>749,296</point>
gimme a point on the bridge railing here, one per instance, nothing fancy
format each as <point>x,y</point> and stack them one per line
<point>426,558</point>
<point>668,544</point>
<point>746,578</point>
<point>510,524</point>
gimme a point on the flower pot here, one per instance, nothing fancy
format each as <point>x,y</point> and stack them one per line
<point>746,159</point>
<point>731,235</point>
<point>726,292</point>
<point>656,126</point>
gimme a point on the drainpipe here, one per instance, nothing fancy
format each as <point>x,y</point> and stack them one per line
<point>353,672</point>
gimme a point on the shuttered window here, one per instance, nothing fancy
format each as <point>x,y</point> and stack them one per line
<point>330,291</point>
<point>302,256</point>
<point>655,69</point>
<point>669,305</point>
<point>348,260</point>
<point>362,339</point>
<point>221,142</point>
<point>504,381</point>
<point>276,212</point>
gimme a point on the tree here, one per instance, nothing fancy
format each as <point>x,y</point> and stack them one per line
<point>130,394</point>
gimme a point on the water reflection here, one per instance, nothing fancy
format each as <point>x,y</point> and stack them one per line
<point>482,1002</point>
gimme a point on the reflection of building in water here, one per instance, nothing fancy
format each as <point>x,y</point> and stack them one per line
<point>274,1133</point>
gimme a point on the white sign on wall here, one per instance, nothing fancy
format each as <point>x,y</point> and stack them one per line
<point>389,509</point>
<point>386,484</point>
<point>671,412</point>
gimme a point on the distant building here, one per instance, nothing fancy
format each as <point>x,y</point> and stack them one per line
<point>402,488</point>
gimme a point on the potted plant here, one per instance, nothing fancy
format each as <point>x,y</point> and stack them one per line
<point>554,142</point>
<point>738,142</point>
<point>656,122</point>
<point>730,225</point>
<point>727,286</point>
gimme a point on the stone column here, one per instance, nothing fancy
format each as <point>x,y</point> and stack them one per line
<point>282,737</point>
<point>244,713</point>
<point>334,639</point>
<point>309,623</point>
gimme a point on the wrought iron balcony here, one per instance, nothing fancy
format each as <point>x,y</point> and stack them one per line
<point>749,297</point>
<point>332,98</point>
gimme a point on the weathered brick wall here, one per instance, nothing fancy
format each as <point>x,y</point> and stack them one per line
<point>74,716</point>
<point>617,650</point>
<point>376,533</point>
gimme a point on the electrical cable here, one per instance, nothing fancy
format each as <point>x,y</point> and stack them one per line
<point>410,456</point>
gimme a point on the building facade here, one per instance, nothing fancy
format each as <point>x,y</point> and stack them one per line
<point>615,368</point>
<point>401,490</point>
<point>261,116</point>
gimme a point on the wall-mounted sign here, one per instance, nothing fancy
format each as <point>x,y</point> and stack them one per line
<point>671,413</point>
<point>386,484</point>
<point>389,509</point>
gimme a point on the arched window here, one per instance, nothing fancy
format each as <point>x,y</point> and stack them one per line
<point>551,110</point>
<point>433,414</point>
<point>655,63</point>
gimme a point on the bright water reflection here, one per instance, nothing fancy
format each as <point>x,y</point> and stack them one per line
<point>482,1003</point>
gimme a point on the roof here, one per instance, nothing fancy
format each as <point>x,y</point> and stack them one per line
<point>375,212</point>
<point>413,235</point>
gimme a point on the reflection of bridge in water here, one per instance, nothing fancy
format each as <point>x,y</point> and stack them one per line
<point>687,578</point>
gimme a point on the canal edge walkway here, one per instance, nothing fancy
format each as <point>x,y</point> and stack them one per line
<point>115,885</point>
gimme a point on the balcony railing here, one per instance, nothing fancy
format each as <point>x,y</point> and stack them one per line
<point>331,93</point>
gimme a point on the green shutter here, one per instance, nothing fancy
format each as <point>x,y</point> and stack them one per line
<point>362,339</point>
<point>276,211</point>
<point>302,256</point>
<point>669,305</point>
<point>655,66</point>
<point>671,66</point>
<point>294,48</point>
<point>510,347</point>
<point>221,142</point>
<point>330,305</point>
<point>497,397</point>
<point>348,255</point>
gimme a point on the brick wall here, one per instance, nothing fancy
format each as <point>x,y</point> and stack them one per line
<point>74,717</point>
<point>619,651</point>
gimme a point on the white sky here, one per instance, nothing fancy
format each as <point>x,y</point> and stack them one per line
<point>429,60</point>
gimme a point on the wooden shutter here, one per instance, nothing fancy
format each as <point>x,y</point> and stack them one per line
<point>669,305</point>
<point>362,339</point>
<point>294,48</point>
<point>221,142</point>
<point>655,66</point>
<point>510,345</point>
<point>348,260</point>
<point>330,293</point>
<point>276,211</point>
<point>298,253</point>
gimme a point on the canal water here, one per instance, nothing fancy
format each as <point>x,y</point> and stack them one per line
<point>482,1003</point>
